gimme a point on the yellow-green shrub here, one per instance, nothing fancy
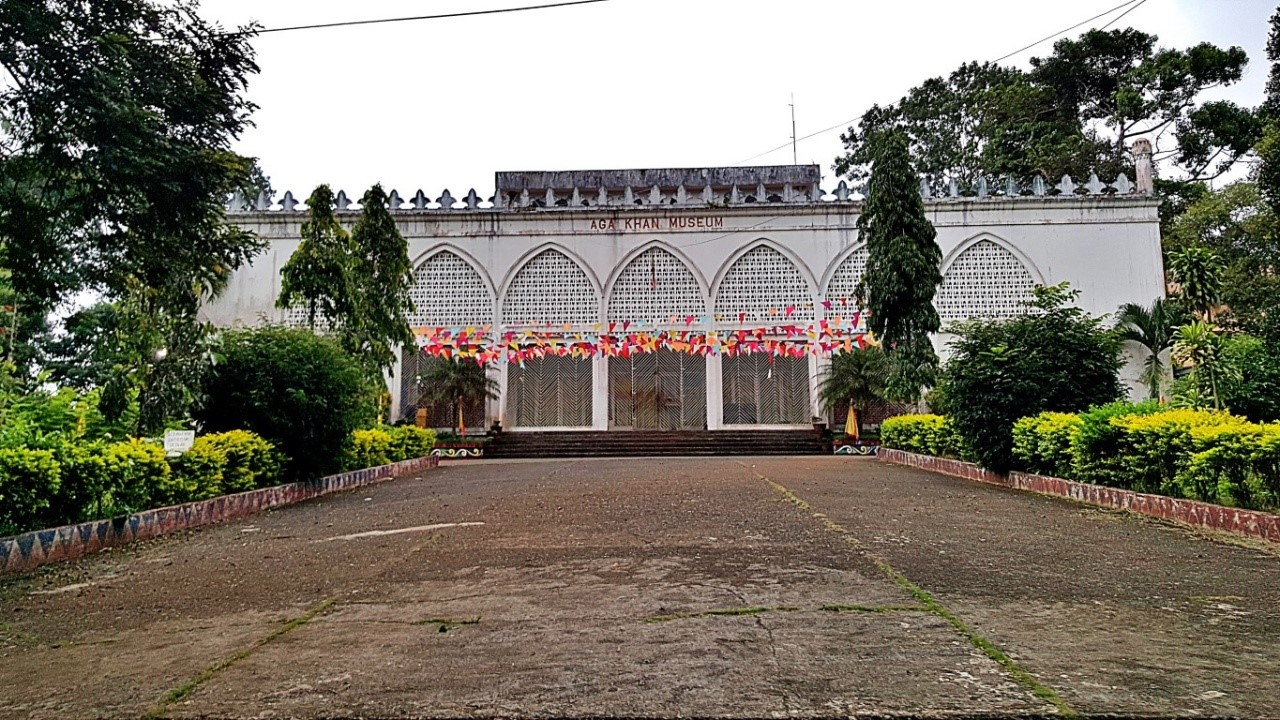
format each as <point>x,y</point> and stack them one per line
<point>924,434</point>
<point>409,442</point>
<point>196,474</point>
<point>136,475</point>
<point>368,448</point>
<point>1156,448</point>
<point>1095,448</point>
<point>251,461</point>
<point>1042,443</point>
<point>28,481</point>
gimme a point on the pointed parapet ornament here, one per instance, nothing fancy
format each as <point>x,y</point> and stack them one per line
<point>762,195</point>
<point>1095,186</point>
<point>628,197</point>
<point>288,203</point>
<point>446,200</point>
<point>655,196</point>
<point>394,201</point>
<point>1067,186</point>
<point>420,200</point>
<point>925,190</point>
<point>524,198</point>
<point>263,203</point>
<point>707,195</point>
<point>842,192</point>
<point>1011,188</point>
<point>953,188</point>
<point>237,203</point>
<point>735,196</point>
<point>342,202</point>
<point>1122,184</point>
<point>982,187</point>
<point>473,200</point>
<point>1038,187</point>
<point>602,197</point>
<point>682,195</point>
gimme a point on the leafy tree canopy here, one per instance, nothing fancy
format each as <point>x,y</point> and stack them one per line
<point>1076,111</point>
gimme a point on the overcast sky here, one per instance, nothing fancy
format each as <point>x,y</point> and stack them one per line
<point>631,83</point>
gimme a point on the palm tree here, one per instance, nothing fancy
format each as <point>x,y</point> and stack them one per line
<point>1153,329</point>
<point>455,381</point>
<point>857,378</point>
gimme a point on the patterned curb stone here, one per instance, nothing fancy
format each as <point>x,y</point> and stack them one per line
<point>41,547</point>
<point>1247,523</point>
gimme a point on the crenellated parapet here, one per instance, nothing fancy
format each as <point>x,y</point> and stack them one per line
<point>713,187</point>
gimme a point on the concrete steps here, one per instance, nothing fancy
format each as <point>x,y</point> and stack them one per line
<point>627,443</point>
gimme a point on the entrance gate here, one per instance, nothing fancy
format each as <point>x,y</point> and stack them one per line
<point>551,391</point>
<point>659,390</point>
<point>763,389</point>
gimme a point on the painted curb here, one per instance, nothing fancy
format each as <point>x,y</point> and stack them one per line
<point>1246,523</point>
<point>41,547</point>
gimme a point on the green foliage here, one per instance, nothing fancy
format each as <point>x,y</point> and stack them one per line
<point>196,474</point>
<point>1152,329</point>
<point>300,392</point>
<point>1042,443</point>
<point>455,381</point>
<point>857,378</point>
<point>1198,273</point>
<point>29,480</point>
<point>369,448</point>
<point>1055,358</point>
<point>383,274</point>
<point>136,477</point>
<point>1076,111</point>
<point>924,434</point>
<point>1252,387</point>
<point>118,119</point>
<point>1204,348</point>
<point>409,442</point>
<point>1156,448</point>
<point>902,273</point>
<point>251,461</point>
<point>1095,447</point>
<point>318,276</point>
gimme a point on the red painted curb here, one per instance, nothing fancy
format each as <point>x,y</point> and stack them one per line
<point>41,547</point>
<point>1246,523</point>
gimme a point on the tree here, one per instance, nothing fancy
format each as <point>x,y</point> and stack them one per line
<point>1201,346</point>
<point>382,274</point>
<point>1198,273</point>
<point>1152,329</point>
<point>1055,358</point>
<point>856,378</point>
<point>1236,224</point>
<point>903,272</point>
<point>319,276</point>
<point>115,127</point>
<point>297,390</point>
<point>455,381</point>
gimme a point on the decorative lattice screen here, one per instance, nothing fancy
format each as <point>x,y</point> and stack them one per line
<point>763,389</point>
<point>763,284</point>
<point>845,279</point>
<point>660,390</point>
<point>655,286</point>
<point>550,289</point>
<point>448,292</point>
<point>439,414</point>
<point>552,391</point>
<point>985,281</point>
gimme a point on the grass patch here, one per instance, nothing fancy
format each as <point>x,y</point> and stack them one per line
<point>724,612</point>
<point>873,608</point>
<point>190,686</point>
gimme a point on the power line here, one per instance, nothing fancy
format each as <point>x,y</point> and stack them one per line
<point>470,13</point>
<point>849,122</point>
<point>1126,12</point>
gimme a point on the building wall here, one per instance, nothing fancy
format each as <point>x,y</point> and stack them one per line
<point>1107,247</point>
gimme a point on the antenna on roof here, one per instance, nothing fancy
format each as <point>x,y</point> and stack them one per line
<point>794,161</point>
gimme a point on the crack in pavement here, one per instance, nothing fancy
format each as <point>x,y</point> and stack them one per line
<point>988,648</point>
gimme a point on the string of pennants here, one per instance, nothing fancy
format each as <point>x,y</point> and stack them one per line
<point>624,339</point>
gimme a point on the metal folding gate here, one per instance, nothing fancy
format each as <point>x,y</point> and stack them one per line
<point>660,390</point>
<point>765,389</point>
<point>439,415</point>
<point>551,391</point>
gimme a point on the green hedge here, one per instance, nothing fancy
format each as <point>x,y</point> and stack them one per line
<point>1205,455</point>
<point>924,434</point>
<point>387,444</point>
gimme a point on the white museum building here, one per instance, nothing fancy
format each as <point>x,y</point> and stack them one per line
<point>701,298</point>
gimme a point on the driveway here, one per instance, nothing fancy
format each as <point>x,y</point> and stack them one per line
<point>726,587</point>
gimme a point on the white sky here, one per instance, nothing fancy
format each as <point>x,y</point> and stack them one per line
<point>630,83</point>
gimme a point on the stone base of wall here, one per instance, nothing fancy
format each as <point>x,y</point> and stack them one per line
<point>1247,523</point>
<point>40,547</point>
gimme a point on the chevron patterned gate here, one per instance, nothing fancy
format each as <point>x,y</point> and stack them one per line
<point>764,389</point>
<point>552,391</point>
<point>660,390</point>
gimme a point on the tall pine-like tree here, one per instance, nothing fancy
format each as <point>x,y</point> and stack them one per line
<point>318,276</point>
<point>903,269</point>
<point>382,273</point>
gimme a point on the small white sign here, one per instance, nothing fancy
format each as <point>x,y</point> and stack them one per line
<point>178,441</point>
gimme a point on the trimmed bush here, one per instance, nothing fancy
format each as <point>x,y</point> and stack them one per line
<point>368,448</point>
<point>1095,447</point>
<point>1042,443</point>
<point>410,441</point>
<point>29,480</point>
<point>251,461</point>
<point>136,477</point>
<point>197,474</point>
<point>924,434</point>
<point>298,391</point>
<point>1155,449</point>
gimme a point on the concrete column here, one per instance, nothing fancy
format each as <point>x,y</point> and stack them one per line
<point>715,393</point>
<point>395,383</point>
<point>818,368</point>
<point>600,393</point>
<point>500,370</point>
<point>1143,168</point>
